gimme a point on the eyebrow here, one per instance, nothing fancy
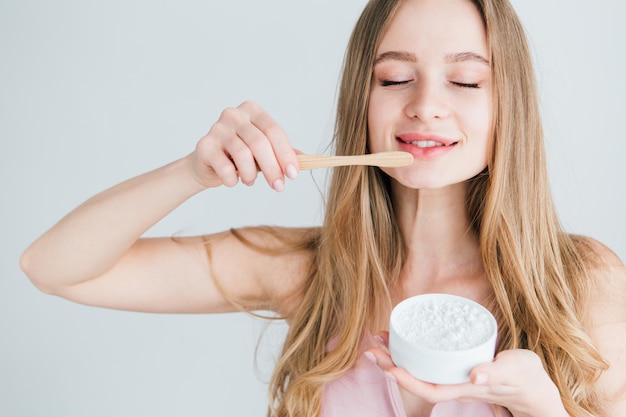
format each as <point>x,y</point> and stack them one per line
<point>395,56</point>
<point>450,58</point>
<point>466,56</point>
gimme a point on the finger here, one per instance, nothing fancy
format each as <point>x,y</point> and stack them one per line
<point>212,158</point>
<point>247,146</point>
<point>509,368</point>
<point>383,338</point>
<point>224,133</point>
<point>430,392</point>
<point>433,392</point>
<point>260,147</point>
<point>284,152</point>
<point>225,169</point>
<point>244,161</point>
<point>382,358</point>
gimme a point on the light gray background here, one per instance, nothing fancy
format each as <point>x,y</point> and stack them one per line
<point>94,92</point>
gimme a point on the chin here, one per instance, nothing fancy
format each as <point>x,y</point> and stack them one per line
<point>412,180</point>
<point>431,179</point>
<point>415,182</point>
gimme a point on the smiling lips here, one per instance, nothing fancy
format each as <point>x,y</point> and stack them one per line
<point>425,146</point>
<point>427,143</point>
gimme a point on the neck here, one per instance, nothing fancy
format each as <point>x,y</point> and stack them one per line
<point>443,254</point>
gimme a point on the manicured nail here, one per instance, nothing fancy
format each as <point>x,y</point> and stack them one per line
<point>379,340</point>
<point>278,185</point>
<point>481,379</point>
<point>292,171</point>
<point>370,356</point>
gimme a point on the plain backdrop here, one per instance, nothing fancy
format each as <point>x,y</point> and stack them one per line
<point>94,92</point>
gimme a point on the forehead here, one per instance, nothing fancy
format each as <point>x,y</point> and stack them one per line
<point>435,27</point>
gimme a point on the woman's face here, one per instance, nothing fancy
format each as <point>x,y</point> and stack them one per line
<point>431,93</point>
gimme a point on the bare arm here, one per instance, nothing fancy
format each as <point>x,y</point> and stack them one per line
<point>95,254</point>
<point>164,275</point>
<point>92,238</point>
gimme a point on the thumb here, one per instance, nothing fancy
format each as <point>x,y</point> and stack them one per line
<point>483,373</point>
<point>479,376</point>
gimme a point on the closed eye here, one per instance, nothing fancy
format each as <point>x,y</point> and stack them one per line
<point>465,85</point>
<point>389,83</point>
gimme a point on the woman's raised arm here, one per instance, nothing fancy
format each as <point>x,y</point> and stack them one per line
<point>95,254</point>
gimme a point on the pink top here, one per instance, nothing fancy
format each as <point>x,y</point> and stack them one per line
<point>366,391</point>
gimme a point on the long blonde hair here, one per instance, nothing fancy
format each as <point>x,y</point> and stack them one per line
<point>537,270</point>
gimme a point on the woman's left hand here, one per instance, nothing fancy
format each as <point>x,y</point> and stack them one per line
<point>515,379</point>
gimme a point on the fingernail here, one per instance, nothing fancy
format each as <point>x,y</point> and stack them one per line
<point>278,185</point>
<point>292,171</point>
<point>370,356</point>
<point>379,339</point>
<point>480,379</point>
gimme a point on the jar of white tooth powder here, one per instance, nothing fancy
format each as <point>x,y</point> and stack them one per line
<point>439,338</point>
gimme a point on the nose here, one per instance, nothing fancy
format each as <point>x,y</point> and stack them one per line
<point>426,101</point>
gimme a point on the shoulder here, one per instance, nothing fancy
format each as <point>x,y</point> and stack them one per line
<point>607,318</point>
<point>606,286</point>
<point>597,250</point>
<point>606,270</point>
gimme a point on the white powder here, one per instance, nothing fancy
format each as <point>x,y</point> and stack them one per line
<point>442,324</point>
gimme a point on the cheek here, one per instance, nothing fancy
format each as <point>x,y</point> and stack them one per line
<point>478,120</point>
<point>374,110</point>
<point>375,122</point>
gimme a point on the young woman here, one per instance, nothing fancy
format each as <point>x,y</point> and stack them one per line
<point>451,82</point>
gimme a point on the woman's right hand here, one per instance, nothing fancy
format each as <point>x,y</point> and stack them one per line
<point>95,254</point>
<point>244,140</point>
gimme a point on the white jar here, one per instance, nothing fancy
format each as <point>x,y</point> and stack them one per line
<point>439,338</point>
